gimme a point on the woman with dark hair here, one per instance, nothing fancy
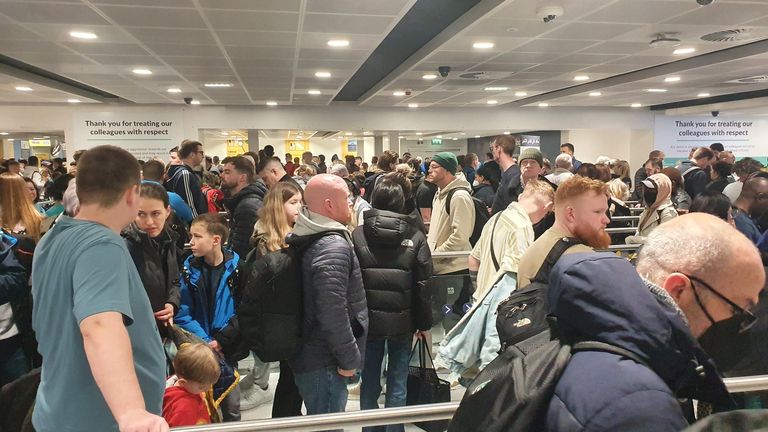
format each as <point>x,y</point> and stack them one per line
<point>715,203</point>
<point>603,172</point>
<point>396,265</point>
<point>34,194</point>
<point>487,183</point>
<point>680,198</point>
<point>55,192</point>
<point>588,170</point>
<point>720,172</point>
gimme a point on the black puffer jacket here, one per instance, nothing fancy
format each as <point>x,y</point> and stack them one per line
<point>396,265</point>
<point>158,265</point>
<point>335,311</point>
<point>243,209</point>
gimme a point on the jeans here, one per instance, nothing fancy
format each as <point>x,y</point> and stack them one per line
<point>398,352</point>
<point>323,390</point>
<point>13,362</point>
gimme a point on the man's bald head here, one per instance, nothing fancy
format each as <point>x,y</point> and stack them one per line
<point>326,194</point>
<point>707,248</point>
<point>754,196</point>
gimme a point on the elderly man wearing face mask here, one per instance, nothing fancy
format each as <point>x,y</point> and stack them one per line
<point>657,192</point>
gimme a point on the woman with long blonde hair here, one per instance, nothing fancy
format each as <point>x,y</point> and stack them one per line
<point>282,206</point>
<point>17,214</point>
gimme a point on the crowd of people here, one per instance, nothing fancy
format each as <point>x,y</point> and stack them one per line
<point>141,293</point>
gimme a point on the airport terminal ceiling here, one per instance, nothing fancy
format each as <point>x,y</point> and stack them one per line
<point>590,53</point>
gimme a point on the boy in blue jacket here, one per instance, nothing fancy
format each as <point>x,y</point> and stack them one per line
<point>207,283</point>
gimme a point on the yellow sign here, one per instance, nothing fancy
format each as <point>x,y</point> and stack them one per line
<point>296,147</point>
<point>236,147</point>
<point>39,143</point>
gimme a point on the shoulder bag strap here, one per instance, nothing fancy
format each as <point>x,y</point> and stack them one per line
<point>554,254</point>
<point>493,234</point>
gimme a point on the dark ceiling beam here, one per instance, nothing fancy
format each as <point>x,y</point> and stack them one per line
<point>24,71</point>
<point>731,97</point>
<point>422,30</point>
<point>708,59</point>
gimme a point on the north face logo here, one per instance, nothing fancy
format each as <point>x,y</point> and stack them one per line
<point>522,323</point>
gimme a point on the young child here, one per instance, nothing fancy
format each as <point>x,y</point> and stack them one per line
<point>207,283</point>
<point>196,371</point>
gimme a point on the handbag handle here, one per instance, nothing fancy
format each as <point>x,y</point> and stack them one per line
<point>423,354</point>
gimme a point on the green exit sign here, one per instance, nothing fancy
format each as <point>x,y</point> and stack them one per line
<point>437,141</point>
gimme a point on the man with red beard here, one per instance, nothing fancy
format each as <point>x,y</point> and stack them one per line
<point>581,206</point>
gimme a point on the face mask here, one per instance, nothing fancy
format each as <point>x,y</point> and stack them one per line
<point>475,183</point>
<point>649,196</point>
<point>725,343</point>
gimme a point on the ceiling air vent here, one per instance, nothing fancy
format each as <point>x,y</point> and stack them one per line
<point>757,79</point>
<point>734,35</point>
<point>484,75</point>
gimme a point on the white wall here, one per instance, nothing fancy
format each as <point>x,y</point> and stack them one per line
<point>458,147</point>
<point>632,145</point>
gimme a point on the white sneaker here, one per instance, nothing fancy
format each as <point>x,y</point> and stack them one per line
<point>354,391</point>
<point>254,397</point>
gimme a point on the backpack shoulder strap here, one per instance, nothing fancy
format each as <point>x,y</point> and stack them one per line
<point>450,197</point>
<point>554,254</point>
<point>606,347</point>
<point>690,170</point>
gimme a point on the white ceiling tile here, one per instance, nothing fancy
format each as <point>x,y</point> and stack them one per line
<point>526,9</point>
<point>554,46</point>
<point>357,7</point>
<point>163,49</point>
<point>588,59</point>
<point>322,23</point>
<point>646,11</point>
<point>50,13</point>
<point>243,20</point>
<point>257,38</point>
<point>460,56</point>
<point>173,36</point>
<point>591,31</point>
<point>106,48</point>
<point>517,28</point>
<point>261,53</point>
<point>611,47</point>
<point>502,67</point>
<point>321,54</point>
<point>163,3</point>
<point>719,13</point>
<point>154,17</point>
<point>121,60</point>
<point>555,67</point>
<point>260,5</point>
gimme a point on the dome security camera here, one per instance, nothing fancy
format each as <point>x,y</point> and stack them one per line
<point>549,13</point>
<point>444,71</point>
<point>704,2</point>
<point>188,100</point>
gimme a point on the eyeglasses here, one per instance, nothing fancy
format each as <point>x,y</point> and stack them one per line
<point>746,318</point>
<point>350,200</point>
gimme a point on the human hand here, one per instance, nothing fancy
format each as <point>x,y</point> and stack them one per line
<point>346,373</point>
<point>142,421</point>
<point>166,314</point>
<point>421,334</point>
<point>216,347</point>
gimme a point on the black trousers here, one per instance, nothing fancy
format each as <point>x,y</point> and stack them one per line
<point>287,401</point>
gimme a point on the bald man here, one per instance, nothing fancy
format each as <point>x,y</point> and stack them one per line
<point>335,310</point>
<point>694,258</point>
<point>686,290</point>
<point>272,172</point>
<point>750,206</point>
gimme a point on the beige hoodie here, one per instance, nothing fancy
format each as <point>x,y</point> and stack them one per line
<point>451,232</point>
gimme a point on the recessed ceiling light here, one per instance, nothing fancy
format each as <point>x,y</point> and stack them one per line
<point>483,45</point>
<point>142,71</point>
<point>455,139</point>
<point>521,94</point>
<point>322,74</point>
<point>271,103</point>
<point>314,92</point>
<point>595,94</point>
<point>703,95</point>
<point>682,51</point>
<point>477,136</point>
<point>419,133</point>
<point>656,90</point>
<point>507,132</point>
<point>439,137</point>
<point>174,90</point>
<point>217,85</point>
<point>225,133</point>
<point>429,76</point>
<point>73,100</point>
<point>496,88</point>
<point>23,88</point>
<point>398,93</point>
<point>348,134</point>
<point>492,102</point>
<point>3,133</point>
<point>543,104</point>
<point>195,102</point>
<point>636,105</point>
<point>83,35</point>
<point>672,79</point>
<point>413,105</point>
<point>581,78</point>
<point>338,43</point>
<point>400,137</point>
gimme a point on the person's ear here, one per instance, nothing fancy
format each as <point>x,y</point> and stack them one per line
<point>676,285</point>
<point>549,207</point>
<point>132,195</point>
<point>217,240</point>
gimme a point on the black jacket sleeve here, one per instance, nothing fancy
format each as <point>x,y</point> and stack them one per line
<point>422,275</point>
<point>174,290</point>
<point>697,182</point>
<point>13,276</point>
<point>244,219</point>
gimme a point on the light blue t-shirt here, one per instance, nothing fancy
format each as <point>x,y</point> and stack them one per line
<point>81,269</point>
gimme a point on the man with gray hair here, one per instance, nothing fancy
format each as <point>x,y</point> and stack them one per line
<point>690,263</point>
<point>562,172</point>
<point>339,170</point>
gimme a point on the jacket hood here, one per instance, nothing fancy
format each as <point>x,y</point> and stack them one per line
<point>257,189</point>
<point>600,296</point>
<point>309,225</point>
<point>385,227</point>
<point>458,182</point>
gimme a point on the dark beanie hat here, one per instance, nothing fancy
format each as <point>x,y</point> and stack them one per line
<point>532,153</point>
<point>446,160</point>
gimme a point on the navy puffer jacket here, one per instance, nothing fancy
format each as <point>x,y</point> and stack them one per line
<point>600,296</point>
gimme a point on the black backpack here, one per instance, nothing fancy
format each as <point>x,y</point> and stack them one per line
<point>524,313</point>
<point>270,309</point>
<point>481,214</point>
<point>514,391</point>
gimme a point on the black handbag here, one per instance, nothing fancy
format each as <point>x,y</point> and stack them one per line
<point>425,387</point>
